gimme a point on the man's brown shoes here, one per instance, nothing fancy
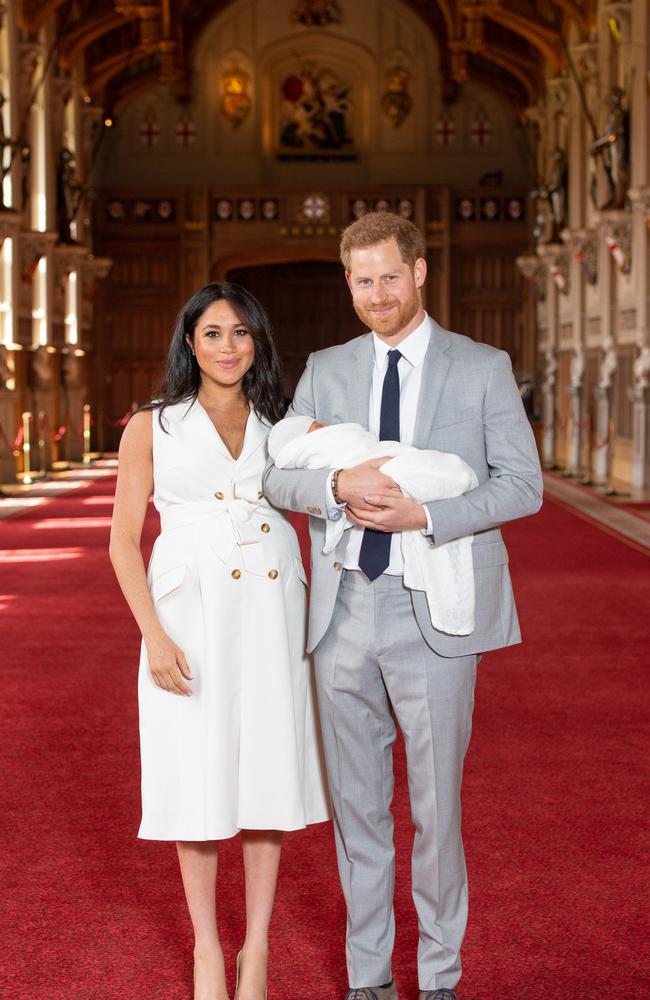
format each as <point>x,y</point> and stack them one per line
<point>443,994</point>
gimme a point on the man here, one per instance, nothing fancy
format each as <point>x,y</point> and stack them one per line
<point>378,657</point>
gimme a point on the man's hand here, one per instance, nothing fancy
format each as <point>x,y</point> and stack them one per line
<point>390,511</point>
<point>354,485</point>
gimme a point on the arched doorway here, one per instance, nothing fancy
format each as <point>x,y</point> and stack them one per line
<point>309,305</point>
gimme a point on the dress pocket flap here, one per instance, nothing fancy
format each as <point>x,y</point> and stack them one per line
<point>489,554</point>
<point>167,582</point>
<point>300,570</point>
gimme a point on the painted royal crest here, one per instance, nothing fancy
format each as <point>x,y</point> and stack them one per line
<point>315,113</point>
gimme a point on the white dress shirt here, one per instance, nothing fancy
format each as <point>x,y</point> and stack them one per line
<point>409,367</point>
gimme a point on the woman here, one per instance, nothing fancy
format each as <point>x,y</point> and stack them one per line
<point>228,735</point>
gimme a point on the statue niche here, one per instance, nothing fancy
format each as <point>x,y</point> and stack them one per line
<point>610,156</point>
<point>68,194</point>
<point>554,195</point>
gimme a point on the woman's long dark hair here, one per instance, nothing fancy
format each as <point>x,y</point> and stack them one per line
<point>182,377</point>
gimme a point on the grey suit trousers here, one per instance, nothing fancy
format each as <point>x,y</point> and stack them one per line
<point>373,659</point>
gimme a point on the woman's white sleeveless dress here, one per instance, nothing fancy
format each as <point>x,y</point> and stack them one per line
<point>228,584</point>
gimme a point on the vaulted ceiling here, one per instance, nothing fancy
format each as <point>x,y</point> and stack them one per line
<point>127,45</point>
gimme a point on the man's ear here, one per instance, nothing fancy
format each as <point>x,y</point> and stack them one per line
<point>420,272</point>
<point>348,279</point>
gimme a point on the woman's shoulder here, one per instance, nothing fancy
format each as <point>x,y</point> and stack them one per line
<point>138,433</point>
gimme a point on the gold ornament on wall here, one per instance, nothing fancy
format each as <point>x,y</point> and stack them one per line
<point>316,13</point>
<point>396,102</point>
<point>235,100</point>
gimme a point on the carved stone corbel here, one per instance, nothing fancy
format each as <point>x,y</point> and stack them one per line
<point>529,265</point>
<point>33,246</point>
<point>67,258</point>
<point>584,244</point>
<point>616,227</point>
<point>556,259</point>
<point>95,268</point>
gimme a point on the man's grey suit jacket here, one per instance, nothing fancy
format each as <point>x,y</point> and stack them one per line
<point>469,404</point>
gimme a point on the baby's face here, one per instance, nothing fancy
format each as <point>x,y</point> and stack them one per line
<point>315,426</point>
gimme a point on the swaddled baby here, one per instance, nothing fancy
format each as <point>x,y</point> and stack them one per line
<point>444,572</point>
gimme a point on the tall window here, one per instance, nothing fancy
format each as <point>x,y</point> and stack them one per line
<point>6,293</point>
<point>72,309</point>
<point>39,304</point>
<point>38,159</point>
<point>8,115</point>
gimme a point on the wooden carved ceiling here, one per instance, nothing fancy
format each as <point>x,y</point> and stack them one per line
<point>126,45</point>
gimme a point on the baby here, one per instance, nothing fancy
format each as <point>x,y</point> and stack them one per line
<point>444,572</point>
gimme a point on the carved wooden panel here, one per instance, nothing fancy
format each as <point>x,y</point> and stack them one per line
<point>487,298</point>
<point>135,320</point>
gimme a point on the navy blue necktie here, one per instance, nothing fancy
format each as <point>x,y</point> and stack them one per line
<point>374,555</point>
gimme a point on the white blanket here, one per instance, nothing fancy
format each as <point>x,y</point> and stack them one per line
<point>444,572</point>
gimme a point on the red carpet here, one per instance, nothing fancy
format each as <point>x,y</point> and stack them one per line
<point>553,802</point>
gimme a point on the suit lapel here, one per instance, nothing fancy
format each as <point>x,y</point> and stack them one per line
<point>360,381</point>
<point>434,373</point>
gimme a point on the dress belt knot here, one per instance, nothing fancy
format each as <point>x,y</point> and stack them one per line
<point>232,517</point>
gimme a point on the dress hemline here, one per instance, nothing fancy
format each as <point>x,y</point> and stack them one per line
<point>285,828</point>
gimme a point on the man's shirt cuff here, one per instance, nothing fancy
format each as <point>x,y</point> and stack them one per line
<point>334,509</point>
<point>428,531</point>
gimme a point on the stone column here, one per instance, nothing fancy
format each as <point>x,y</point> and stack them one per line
<point>575,390</point>
<point>641,454</point>
<point>548,409</point>
<point>640,396</point>
<point>601,450</point>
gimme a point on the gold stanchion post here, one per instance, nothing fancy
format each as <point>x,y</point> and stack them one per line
<point>86,434</point>
<point>26,475</point>
<point>41,442</point>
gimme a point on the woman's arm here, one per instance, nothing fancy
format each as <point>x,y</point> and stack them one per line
<point>167,662</point>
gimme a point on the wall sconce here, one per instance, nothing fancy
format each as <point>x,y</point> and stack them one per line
<point>235,101</point>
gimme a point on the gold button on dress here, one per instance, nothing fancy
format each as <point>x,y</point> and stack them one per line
<point>265,528</point>
<point>236,573</point>
<point>272,574</point>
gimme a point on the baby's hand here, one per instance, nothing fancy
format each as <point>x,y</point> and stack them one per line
<point>315,426</point>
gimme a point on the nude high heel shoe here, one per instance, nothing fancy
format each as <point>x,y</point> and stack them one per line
<point>266,992</point>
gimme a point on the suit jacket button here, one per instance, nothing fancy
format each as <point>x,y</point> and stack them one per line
<point>265,528</point>
<point>272,574</point>
<point>219,495</point>
<point>236,573</point>
<point>338,566</point>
